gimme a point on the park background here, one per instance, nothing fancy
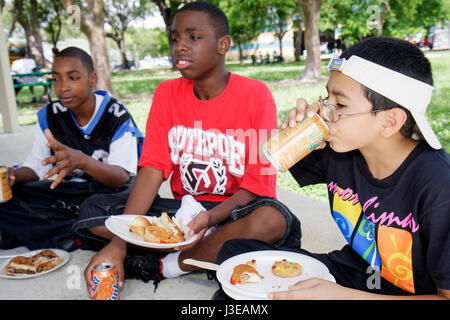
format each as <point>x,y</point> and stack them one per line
<point>129,43</point>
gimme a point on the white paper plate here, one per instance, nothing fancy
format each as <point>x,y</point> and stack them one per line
<point>311,268</point>
<point>62,253</point>
<point>239,296</point>
<point>120,226</point>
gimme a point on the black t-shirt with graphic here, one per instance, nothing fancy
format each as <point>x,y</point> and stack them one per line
<point>399,225</point>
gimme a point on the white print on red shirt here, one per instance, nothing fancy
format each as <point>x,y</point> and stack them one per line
<point>205,158</point>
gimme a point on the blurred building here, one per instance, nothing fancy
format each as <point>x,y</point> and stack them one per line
<point>266,44</point>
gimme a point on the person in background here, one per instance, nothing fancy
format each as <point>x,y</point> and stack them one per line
<point>24,65</point>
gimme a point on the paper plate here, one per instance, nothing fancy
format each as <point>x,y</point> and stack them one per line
<point>62,253</point>
<point>311,268</point>
<point>120,226</point>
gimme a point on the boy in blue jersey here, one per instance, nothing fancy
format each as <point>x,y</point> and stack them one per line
<point>87,139</point>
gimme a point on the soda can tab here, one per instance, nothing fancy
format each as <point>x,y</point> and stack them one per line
<point>290,145</point>
<point>106,281</point>
<point>5,192</point>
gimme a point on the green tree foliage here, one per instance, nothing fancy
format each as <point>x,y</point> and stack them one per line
<point>398,18</point>
<point>410,17</point>
<point>144,42</point>
<point>118,14</point>
<point>246,19</point>
<point>279,14</point>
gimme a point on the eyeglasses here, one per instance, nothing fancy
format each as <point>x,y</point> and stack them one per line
<point>331,112</point>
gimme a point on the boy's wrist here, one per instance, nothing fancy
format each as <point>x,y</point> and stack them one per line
<point>213,217</point>
<point>84,161</point>
<point>119,243</point>
<point>208,219</point>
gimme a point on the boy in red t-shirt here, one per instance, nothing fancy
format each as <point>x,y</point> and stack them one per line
<point>204,129</point>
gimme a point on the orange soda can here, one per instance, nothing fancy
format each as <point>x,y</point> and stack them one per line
<point>106,282</point>
<point>5,192</point>
<point>290,145</point>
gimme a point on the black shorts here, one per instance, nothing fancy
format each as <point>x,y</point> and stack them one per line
<point>97,209</point>
<point>39,217</point>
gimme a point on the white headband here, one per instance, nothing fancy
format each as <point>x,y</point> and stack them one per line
<point>410,93</point>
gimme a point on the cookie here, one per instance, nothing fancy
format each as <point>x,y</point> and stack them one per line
<point>286,269</point>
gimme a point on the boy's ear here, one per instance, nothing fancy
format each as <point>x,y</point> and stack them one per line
<point>93,80</point>
<point>224,44</point>
<point>394,120</point>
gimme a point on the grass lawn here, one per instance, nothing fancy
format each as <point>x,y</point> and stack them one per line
<point>135,89</point>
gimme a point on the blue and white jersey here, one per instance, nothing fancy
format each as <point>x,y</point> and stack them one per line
<point>111,136</point>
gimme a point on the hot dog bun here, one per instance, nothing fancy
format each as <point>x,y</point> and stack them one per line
<point>160,230</point>
<point>177,234</point>
<point>157,234</point>
<point>139,225</point>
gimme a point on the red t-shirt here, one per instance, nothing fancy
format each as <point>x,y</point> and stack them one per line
<point>211,145</point>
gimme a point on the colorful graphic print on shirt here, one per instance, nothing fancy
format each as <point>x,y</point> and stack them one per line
<point>383,240</point>
<point>206,158</point>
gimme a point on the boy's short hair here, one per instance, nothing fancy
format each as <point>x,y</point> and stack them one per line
<point>23,52</point>
<point>397,55</point>
<point>74,52</point>
<point>217,17</point>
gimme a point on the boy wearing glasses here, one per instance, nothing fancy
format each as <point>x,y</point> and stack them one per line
<point>387,176</point>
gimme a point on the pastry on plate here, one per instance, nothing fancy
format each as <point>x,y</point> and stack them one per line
<point>44,260</point>
<point>245,273</point>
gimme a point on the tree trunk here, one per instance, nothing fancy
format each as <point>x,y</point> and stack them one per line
<point>311,15</point>
<point>280,35</point>
<point>99,54</point>
<point>55,34</point>
<point>121,44</point>
<point>31,28</point>
<point>168,13</point>
<point>241,54</point>
<point>92,25</point>
<point>297,45</point>
<point>280,46</point>
<point>35,40</point>
<point>119,38</point>
<point>386,9</point>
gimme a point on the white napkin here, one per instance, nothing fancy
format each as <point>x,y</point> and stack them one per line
<point>188,210</point>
